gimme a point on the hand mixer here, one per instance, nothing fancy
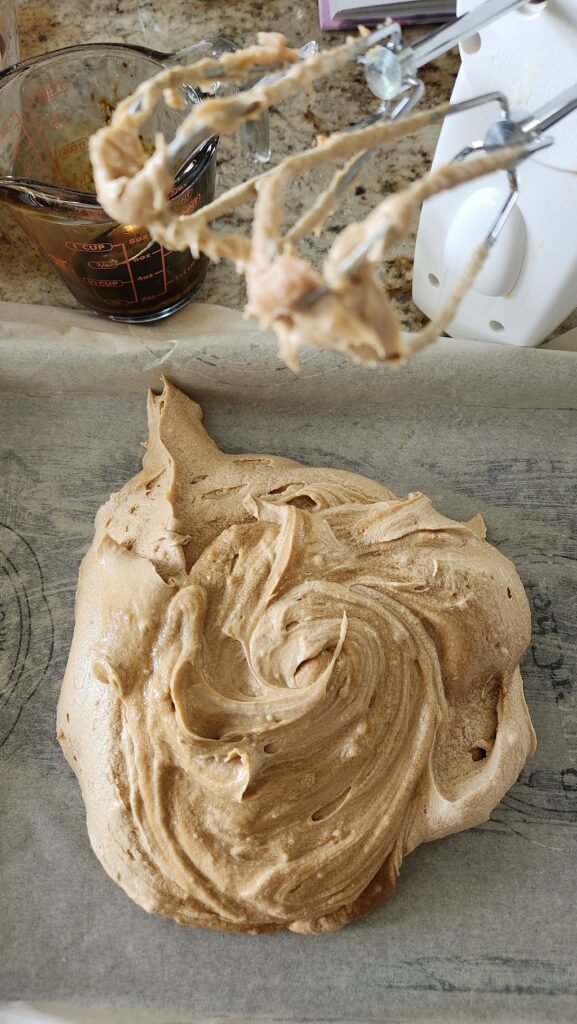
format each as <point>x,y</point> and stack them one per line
<point>344,308</point>
<point>528,284</point>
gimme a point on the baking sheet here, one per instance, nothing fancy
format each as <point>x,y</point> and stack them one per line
<point>483,924</point>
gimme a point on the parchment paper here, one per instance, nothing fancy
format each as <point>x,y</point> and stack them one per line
<point>483,924</point>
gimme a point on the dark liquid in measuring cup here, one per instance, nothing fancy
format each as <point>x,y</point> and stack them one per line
<point>105,276</point>
<point>113,268</point>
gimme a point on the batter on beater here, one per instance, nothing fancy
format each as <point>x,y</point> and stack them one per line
<point>353,315</point>
<point>282,680</point>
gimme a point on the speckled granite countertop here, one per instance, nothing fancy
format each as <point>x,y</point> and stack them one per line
<point>25,277</point>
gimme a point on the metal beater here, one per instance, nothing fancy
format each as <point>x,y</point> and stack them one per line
<point>391,69</point>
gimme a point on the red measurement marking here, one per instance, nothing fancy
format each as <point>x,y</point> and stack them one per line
<point>25,139</point>
<point>190,206</point>
<point>163,269</point>
<point>102,264</point>
<point>12,121</point>
<point>129,268</point>
<point>59,85</point>
<point>76,146</point>
<point>95,282</point>
<point>90,246</point>
<point>185,272</point>
<point>148,277</point>
<point>55,120</point>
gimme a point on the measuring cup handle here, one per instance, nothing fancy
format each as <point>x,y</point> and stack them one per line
<point>206,48</point>
<point>254,135</point>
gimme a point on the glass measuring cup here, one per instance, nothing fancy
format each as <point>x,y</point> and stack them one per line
<point>49,106</point>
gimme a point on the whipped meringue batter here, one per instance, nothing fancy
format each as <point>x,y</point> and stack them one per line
<point>282,680</point>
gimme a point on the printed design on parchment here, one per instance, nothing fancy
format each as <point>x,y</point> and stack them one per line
<point>26,627</point>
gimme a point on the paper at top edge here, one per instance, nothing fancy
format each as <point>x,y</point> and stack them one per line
<point>213,350</point>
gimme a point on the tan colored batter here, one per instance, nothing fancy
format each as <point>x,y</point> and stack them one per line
<point>282,680</point>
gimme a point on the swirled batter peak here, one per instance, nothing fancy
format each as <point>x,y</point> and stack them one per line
<point>282,680</point>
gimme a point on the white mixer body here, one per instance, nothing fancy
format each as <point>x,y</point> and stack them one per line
<point>529,282</point>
